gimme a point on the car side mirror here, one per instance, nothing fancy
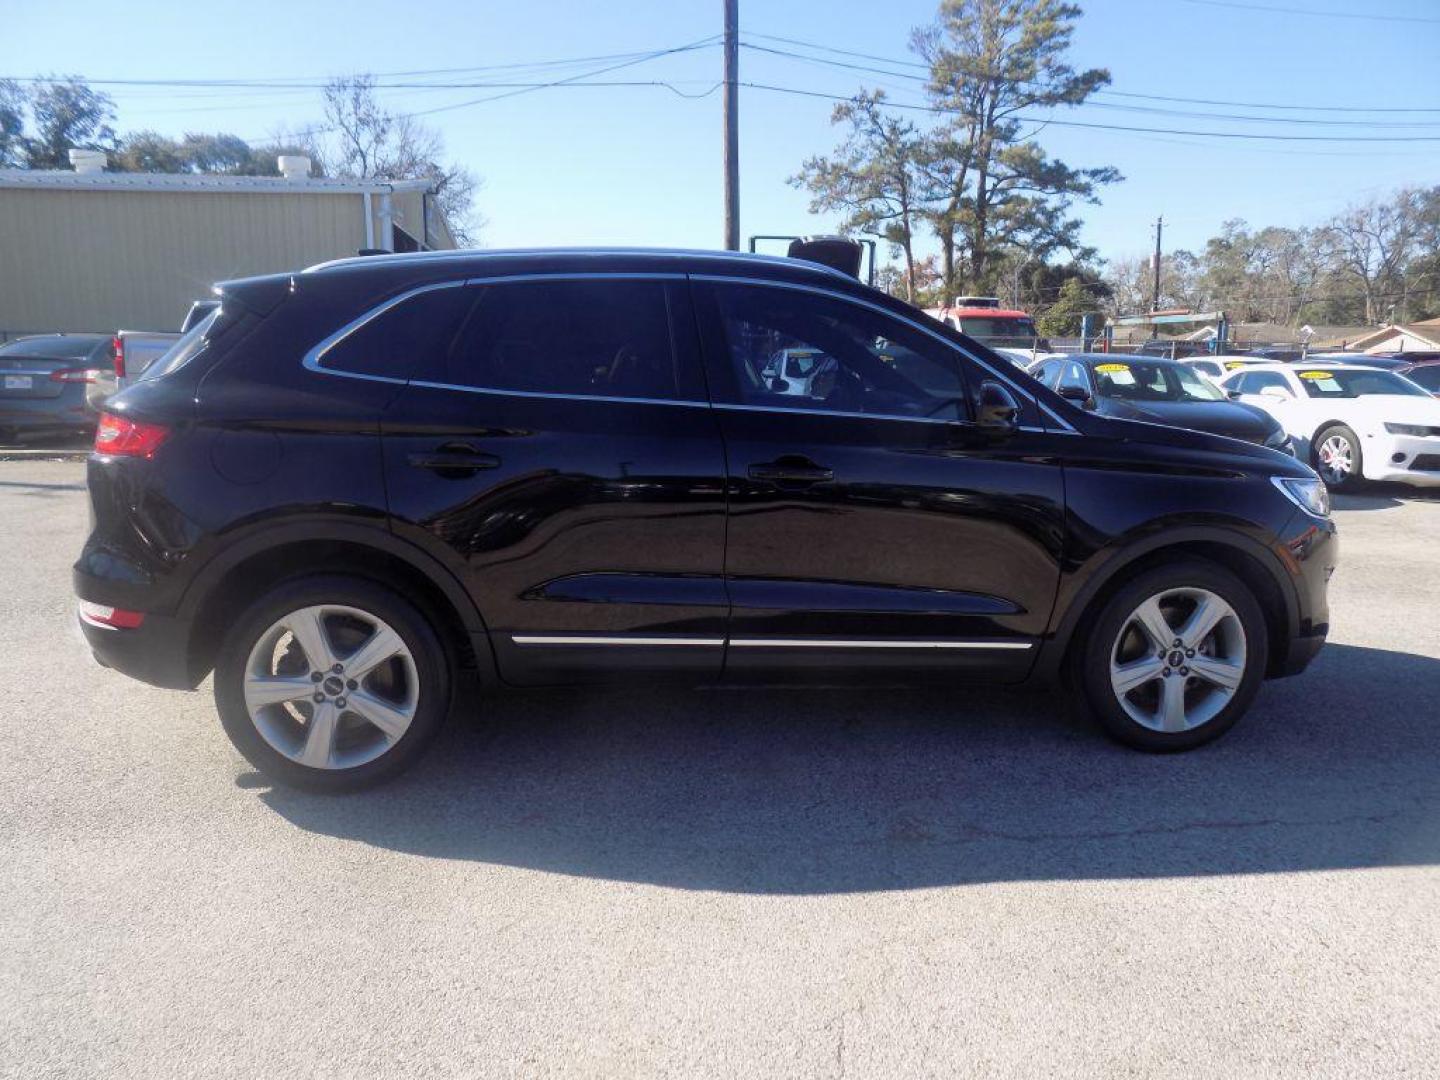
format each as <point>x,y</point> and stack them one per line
<point>779,385</point>
<point>997,413</point>
<point>1077,394</point>
<point>1233,395</point>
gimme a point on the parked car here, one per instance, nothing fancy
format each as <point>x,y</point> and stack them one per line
<point>1212,369</point>
<point>1424,374</point>
<point>136,350</point>
<point>982,318</point>
<point>1352,423</point>
<point>1174,348</point>
<point>1157,391</point>
<point>1384,363</point>
<point>349,484</point>
<point>53,384</point>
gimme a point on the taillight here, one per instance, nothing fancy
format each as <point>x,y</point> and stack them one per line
<point>85,375</point>
<point>119,436</point>
<point>112,618</point>
<point>117,345</point>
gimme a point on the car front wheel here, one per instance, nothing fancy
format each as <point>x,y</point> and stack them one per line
<point>1338,458</point>
<point>1175,656</point>
<point>332,683</point>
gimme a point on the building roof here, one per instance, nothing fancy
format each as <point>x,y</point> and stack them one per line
<point>66,180</point>
<point>1427,330</point>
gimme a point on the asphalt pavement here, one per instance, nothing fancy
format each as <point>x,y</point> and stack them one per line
<point>641,882</point>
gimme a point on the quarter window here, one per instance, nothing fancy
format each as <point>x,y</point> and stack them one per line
<point>404,338</point>
<point>792,349</point>
<point>581,338</point>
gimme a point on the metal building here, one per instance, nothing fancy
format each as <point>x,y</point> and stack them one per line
<point>91,251</point>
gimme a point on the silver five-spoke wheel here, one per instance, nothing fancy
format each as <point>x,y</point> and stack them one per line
<point>1178,659</point>
<point>330,686</point>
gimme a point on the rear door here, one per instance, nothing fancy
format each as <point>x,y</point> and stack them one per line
<point>560,448</point>
<point>873,525</point>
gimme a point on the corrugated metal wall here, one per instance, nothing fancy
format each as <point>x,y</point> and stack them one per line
<point>133,260</point>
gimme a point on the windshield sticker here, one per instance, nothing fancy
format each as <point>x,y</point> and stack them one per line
<point>1234,365</point>
<point>1315,375</point>
<point>1112,367</point>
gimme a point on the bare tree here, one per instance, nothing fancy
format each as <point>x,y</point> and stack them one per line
<point>1370,244</point>
<point>370,142</point>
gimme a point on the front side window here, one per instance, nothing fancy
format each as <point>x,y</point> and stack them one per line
<point>792,349</point>
<point>584,338</point>
<point>1073,377</point>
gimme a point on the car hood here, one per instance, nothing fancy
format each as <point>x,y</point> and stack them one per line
<point>1229,418</point>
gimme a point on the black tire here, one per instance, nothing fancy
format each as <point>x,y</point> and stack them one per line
<point>434,665</point>
<point>1091,670</point>
<point>1357,470</point>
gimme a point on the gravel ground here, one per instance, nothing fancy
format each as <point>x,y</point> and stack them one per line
<point>732,883</point>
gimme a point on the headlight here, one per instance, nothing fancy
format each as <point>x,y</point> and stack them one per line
<point>1411,429</point>
<point>1309,494</point>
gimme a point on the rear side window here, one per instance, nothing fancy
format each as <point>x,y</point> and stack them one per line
<point>412,333</point>
<point>1428,377</point>
<point>190,345</point>
<point>588,338</point>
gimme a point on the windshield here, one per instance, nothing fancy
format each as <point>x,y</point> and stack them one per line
<point>1139,380</point>
<point>184,350</point>
<point>1356,382</point>
<point>63,348</point>
<point>978,326</point>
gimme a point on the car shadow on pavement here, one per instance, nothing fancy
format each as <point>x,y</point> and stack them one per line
<point>795,792</point>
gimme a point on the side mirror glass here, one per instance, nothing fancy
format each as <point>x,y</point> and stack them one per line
<point>997,412</point>
<point>779,385</point>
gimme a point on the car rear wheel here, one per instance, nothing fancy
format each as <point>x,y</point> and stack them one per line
<point>1338,458</point>
<point>332,684</point>
<point>1175,657</point>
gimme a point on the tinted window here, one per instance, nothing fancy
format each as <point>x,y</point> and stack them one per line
<point>1045,372</point>
<point>403,336</point>
<point>1428,377</point>
<point>60,348</point>
<point>987,326</point>
<point>585,338</point>
<point>793,349</point>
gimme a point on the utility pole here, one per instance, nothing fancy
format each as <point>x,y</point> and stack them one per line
<point>732,125</point>
<point>1155,296</point>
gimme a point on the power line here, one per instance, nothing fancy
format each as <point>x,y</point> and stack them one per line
<point>1267,136</point>
<point>1106,92</point>
<point>1313,12</point>
<point>1118,107</point>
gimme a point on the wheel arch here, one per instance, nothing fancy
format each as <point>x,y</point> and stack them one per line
<point>273,553</point>
<point>1249,560</point>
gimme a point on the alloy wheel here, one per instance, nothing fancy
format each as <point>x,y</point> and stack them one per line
<point>1336,459</point>
<point>1178,659</point>
<point>331,687</point>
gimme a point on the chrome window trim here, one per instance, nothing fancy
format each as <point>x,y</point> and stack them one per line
<point>685,402</point>
<point>905,319</point>
<point>765,643</point>
<point>869,643</point>
<point>597,639</point>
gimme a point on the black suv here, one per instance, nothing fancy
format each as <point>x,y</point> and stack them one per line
<point>347,485</point>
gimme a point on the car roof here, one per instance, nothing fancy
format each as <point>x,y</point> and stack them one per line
<point>1120,358</point>
<point>1318,365</point>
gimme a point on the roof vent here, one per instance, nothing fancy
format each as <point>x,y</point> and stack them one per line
<point>88,162</point>
<point>293,166</point>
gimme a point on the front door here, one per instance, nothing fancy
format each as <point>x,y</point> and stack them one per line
<point>559,448</point>
<point>872,524</point>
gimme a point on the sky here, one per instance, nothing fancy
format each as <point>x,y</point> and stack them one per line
<point>642,164</point>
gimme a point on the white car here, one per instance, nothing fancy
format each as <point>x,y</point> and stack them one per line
<point>1350,422</point>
